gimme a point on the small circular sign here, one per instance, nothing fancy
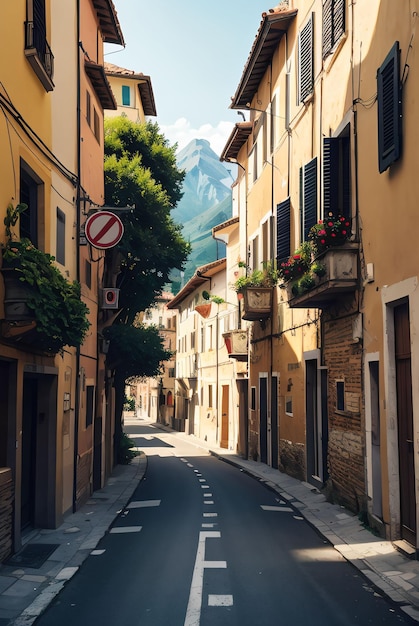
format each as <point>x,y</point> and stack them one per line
<point>103,230</point>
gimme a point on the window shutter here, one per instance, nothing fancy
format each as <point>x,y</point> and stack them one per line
<point>306,71</point>
<point>330,174</point>
<point>283,230</point>
<point>333,23</point>
<point>336,176</point>
<point>126,95</point>
<point>309,216</point>
<point>389,109</point>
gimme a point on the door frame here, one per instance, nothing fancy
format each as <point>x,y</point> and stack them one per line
<point>391,296</point>
<point>317,425</point>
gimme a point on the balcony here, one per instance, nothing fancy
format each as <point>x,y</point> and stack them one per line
<point>39,54</point>
<point>340,277</point>
<point>236,342</point>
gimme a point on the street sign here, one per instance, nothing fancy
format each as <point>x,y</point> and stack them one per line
<point>103,230</point>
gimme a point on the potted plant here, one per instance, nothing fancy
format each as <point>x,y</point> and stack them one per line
<point>204,309</point>
<point>332,231</point>
<point>48,298</point>
<point>256,288</point>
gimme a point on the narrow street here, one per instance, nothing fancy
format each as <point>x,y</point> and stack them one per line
<point>203,544</point>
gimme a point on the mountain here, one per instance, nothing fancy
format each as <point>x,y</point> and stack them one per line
<point>206,202</point>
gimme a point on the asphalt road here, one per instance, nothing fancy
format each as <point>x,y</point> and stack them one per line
<point>203,544</point>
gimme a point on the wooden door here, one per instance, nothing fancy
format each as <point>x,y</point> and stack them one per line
<point>405,423</point>
<point>224,416</point>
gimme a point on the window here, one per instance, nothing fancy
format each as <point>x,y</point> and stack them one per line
<point>31,191</point>
<point>288,405</point>
<point>283,230</point>
<point>337,175</point>
<point>37,50</point>
<point>126,97</point>
<point>333,24</point>
<point>255,162</point>
<point>340,395</point>
<point>389,97</point>
<point>88,108</point>
<point>60,251</point>
<point>96,125</point>
<point>254,253</point>
<point>305,58</point>
<point>209,396</point>
<point>253,398</point>
<point>90,397</point>
<point>308,197</point>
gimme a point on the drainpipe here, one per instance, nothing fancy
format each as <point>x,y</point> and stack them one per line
<point>78,225</point>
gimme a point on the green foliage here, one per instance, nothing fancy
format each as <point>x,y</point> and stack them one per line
<point>129,403</point>
<point>266,277</point>
<point>140,171</point>
<point>60,314</point>
<point>125,451</point>
<point>135,350</point>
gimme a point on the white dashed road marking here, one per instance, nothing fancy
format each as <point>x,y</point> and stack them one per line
<point>140,504</point>
<point>281,509</point>
<point>220,600</point>
<point>120,530</point>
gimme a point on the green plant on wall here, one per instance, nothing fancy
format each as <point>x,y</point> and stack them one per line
<point>54,302</point>
<point>268,276</point>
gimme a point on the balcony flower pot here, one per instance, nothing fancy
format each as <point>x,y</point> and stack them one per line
<point>236,343</point>
<point>203,309</point>
<point>257,303</point>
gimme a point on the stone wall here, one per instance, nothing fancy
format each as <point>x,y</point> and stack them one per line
<point>292,459</point>
<point>6,512</point>
<point>343,358</point>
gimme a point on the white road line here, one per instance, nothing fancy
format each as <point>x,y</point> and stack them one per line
<point>193,612</point>
<point>210,514</point>
<point>208,501</point>
<point>202,480</point>
<point>281,509</point>
<point>120,530</point>
<point>140,504</point>
<point>204,487</point>
<point>97,552</point>
<point>207,495</point>
<point>209,525</point>
<point>220,600</point>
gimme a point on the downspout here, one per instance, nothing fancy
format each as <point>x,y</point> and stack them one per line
<point>78,225</point>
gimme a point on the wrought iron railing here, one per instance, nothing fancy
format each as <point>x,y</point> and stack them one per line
<point>35,39</point>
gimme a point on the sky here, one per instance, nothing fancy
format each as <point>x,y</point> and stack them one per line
<point>194,52</point>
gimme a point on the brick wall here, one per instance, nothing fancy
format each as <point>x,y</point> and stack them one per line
<point>343,358</point>
<point>6,512</point>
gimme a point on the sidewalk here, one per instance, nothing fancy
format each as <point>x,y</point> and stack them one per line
<point>26,591</point>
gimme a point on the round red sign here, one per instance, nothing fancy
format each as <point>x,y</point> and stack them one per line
<point>103,230</point>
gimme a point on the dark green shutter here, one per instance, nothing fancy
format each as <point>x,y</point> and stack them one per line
<point>389,109</point>
<point>306,70</point>
<point>309,197</point>
<point>283,230</point>
<point>336,176</point>
<point>333,23</point>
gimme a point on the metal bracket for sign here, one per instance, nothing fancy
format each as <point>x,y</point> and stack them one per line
<point>112,209</point>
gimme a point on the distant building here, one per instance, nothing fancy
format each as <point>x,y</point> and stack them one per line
<point>133,93</point>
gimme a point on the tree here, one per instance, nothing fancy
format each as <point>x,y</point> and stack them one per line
<point>140,172</point>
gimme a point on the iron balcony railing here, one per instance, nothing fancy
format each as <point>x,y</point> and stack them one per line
<point>35,39</point>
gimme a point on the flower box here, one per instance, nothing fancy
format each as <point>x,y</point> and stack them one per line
<point>236,344</point>
<point>16,294</point>
<point>340,277</point>
<point>257,303</point>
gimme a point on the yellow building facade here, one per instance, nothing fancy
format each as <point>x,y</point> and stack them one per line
<point>328,95</point>
<point>49,162</point>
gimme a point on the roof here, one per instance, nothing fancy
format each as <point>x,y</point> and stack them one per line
<point>144,85</point>
<point>201,276</point>
<point>237,139</point>
<point>100,84</point>
<point>108,20</point>
<point>272,28</point>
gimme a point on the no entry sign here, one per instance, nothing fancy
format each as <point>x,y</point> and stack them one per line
<point>103,230</point>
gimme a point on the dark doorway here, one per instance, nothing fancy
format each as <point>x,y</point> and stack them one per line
<point>29,439</point>
<point>263,417</point>
<point>274,422</point>
<point>405,422</point>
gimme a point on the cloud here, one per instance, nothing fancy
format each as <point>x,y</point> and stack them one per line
<point>182,132</point>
